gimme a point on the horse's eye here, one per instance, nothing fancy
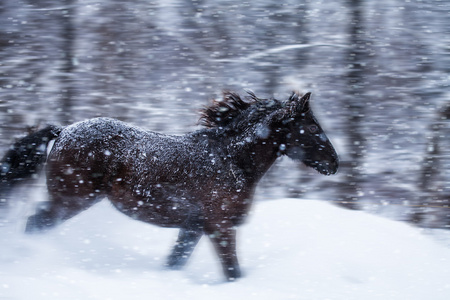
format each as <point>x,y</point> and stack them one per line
<point>313,128</point>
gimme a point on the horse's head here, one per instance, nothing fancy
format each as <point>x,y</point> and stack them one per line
<point>304,138</point>
<point>290,127</point>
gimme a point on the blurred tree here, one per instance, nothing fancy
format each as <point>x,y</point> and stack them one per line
<point>68,36</point>
<point>354,103</point>
<point>433,207</point>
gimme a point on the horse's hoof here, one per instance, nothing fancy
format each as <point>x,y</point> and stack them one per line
<point>175,262</point>
<point>233,273</point>
<point>38,223</point>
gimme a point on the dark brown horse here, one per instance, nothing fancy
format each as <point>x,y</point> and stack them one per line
<point>201,182</point>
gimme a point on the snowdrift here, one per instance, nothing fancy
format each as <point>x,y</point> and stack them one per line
<point>290,249</point>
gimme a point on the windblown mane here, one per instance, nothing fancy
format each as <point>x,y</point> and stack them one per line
<point>221,112</point>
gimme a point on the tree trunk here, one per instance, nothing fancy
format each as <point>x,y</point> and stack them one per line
<point>351,166</point>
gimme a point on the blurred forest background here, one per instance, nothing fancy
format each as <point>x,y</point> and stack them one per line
<point>379,72</point>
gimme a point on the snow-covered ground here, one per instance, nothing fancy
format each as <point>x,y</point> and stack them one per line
<point>290,249</point>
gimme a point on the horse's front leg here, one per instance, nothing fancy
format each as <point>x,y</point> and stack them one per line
<point>186,242</point>
<point>223,237</point>
<point>190,233</point>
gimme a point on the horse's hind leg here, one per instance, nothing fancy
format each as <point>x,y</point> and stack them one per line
<point>188,238</point>
<point>58,210</point>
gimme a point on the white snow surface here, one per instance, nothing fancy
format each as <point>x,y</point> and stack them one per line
<point>289,249</point>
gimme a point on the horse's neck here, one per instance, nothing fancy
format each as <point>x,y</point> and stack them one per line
<point>252,153</point>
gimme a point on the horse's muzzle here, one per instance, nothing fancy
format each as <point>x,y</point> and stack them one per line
<point>328,167</point>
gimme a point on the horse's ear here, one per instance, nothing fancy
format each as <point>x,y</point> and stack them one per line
<point>305,97</point>
<point>294,97</point>
<point>304,103</point>
<point>299,104</point>
<point>293,107</point>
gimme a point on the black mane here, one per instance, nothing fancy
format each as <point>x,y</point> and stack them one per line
<point>223,112</point>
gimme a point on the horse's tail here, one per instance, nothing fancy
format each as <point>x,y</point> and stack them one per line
<point>24,159</point>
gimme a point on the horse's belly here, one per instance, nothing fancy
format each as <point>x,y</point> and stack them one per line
<point>167,211</point>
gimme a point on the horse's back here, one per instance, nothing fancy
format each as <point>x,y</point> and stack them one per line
<point>90,152</point>
<point>98,132</point>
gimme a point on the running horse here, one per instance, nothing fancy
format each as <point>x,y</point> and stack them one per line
<point>201,182</point>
